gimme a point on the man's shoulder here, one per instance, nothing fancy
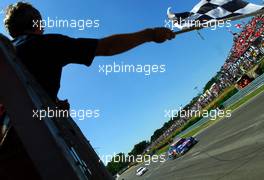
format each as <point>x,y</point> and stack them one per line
<point>38,38</point>
<point>52,36</point>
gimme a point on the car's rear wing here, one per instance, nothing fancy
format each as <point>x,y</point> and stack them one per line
<point>56,146</point>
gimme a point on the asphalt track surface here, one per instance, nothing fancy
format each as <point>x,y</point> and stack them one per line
<point>231,149</point>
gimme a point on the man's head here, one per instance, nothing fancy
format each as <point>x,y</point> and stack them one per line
<point>19,19</point>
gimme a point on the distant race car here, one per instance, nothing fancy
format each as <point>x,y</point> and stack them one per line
<point>172,152</point>
<point>181,146</point>
<point>140,171</point>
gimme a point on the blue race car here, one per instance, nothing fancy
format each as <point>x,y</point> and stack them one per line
<point>181,146</point>
<point>186,145</point>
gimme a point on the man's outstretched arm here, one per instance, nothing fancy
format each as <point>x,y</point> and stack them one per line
<point>120,43</point>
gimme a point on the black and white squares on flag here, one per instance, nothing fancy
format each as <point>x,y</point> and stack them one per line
<point>209,10</point>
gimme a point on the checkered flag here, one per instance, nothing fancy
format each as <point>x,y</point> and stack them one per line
<point>207,11</point>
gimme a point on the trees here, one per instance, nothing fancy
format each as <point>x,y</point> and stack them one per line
<point>209,84</point>
<point>161,130</point>
<point>139,148</point>
<point>120,161</point>
<point>117,163</point>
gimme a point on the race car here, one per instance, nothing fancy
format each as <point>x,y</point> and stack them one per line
<point>180,147</point>
<point>186,145</point>
<point>172,152</point>
<point>140,171</point>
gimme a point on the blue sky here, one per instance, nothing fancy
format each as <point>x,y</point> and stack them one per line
<point>132,105</point>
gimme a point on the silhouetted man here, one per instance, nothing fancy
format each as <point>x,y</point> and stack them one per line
<point>45,55</point>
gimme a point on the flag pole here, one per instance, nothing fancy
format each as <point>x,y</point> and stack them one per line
<point>215,22</point>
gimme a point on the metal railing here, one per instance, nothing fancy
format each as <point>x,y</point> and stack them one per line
<point>259,81</point>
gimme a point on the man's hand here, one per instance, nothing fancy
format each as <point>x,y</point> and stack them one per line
<point>160,35</point>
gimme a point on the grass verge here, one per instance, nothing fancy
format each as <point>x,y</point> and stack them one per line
<point>232,108</point>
